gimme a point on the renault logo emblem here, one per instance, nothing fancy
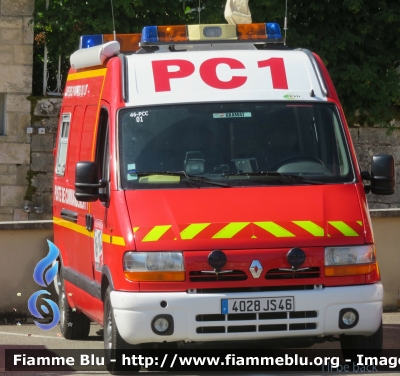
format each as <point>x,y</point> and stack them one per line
<point>256,269</point>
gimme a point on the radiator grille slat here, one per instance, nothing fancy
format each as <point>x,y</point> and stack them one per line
<point>234,275</point>
<point>312,272</point>
<point>256,317</point>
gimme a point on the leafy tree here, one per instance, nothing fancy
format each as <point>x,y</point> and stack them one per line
<point>357,39</point>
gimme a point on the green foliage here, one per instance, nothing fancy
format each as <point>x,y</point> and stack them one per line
<point>31,189</point>
<point>357,39</point>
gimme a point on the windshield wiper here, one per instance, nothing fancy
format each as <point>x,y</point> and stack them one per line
<point>284,177</point>
<point>200,179</point>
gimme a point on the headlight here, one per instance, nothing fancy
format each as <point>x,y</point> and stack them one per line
<point>154,266</point>
<point>354,260</point>
<point>362,254</point>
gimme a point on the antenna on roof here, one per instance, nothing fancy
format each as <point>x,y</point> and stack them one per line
<point>285,24</point>
<point>199,10</point>
<point>112,12</point>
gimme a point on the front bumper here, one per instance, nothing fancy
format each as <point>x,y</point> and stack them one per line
<point>134,313</point>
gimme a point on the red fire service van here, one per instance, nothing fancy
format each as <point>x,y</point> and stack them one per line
<point>206,188</point>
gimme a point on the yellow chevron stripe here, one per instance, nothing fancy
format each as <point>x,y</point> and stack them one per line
<point>135,229</point>
<point>345,229</point>
<point>275,229</point>
<point>156,233</point>
<point>192,230</point>
<point>360,223</point>
<point>310,227</point>
<point>230,230</point>
<point>87,74</point>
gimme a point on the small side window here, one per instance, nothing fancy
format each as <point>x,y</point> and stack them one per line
<point>63,144</point>
<point>102,149</point>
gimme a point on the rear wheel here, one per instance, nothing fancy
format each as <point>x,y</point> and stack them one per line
<point>373,344</point>
<point>113,342</point>
<point>73,325</point>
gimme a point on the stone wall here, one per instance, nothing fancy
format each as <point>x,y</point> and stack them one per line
<point>16,45</point>
<point>45,116</point>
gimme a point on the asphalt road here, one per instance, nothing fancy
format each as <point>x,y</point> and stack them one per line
<point>28,336</point>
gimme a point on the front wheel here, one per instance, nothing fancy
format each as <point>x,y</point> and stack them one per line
<point>113,342</point>
<point>362,344</point>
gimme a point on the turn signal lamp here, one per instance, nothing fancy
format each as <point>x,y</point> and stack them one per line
<point>154,266</point>
<point>352,260</point>
<point>128,42</point>
<point>261,33</point>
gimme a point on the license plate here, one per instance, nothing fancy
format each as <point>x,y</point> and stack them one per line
<point>258,305</point>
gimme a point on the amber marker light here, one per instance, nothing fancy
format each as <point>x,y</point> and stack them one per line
<point>155,276</point>
<point>251,31</point>
<point>154,266</point>
<point>351,260</point>
<point>340,271</point>
<point>172,33</point>
<point>128,42</point>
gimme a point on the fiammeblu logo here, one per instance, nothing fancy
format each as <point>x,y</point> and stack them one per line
<point>44,274</point>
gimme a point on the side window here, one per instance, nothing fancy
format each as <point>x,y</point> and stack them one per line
<point>340,149</point>
<point>63,144</point>
<point>102,148</point>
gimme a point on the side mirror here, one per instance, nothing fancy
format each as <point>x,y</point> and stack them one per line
<point>382,175</point>
<point>87,183</point>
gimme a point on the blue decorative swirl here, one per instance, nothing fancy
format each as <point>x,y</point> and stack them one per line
<point>32,302</point>
<point>56,317</point>
<point>45,263</point>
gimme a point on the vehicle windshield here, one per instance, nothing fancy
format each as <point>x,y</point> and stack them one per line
<point>232,145</point>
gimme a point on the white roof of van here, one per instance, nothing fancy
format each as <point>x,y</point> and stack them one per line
<point>222,75</point>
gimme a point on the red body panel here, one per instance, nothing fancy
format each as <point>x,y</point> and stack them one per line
<point>256,223</point>
<point>319,204</point>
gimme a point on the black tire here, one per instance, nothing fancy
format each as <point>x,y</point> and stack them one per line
<point>114,345</point>
<point>80,327</point>
<point>371,345</point>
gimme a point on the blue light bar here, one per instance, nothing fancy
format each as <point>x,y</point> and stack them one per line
<point>252,33</point>
<point>88,41</point>
<point>273,30</point>
<point>149,34</point>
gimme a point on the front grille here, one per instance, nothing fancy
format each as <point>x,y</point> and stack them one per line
<point>272,316</point>
<point>210,329</point>
<point>305,326</point>
<point>272,328</point>
<point>242,329</point>
<point>229,290</point>
<point>302,314</point>
<point>259,320</point>
<point>233,275</point>
<point>210,317</point>
<point>313,272</point>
